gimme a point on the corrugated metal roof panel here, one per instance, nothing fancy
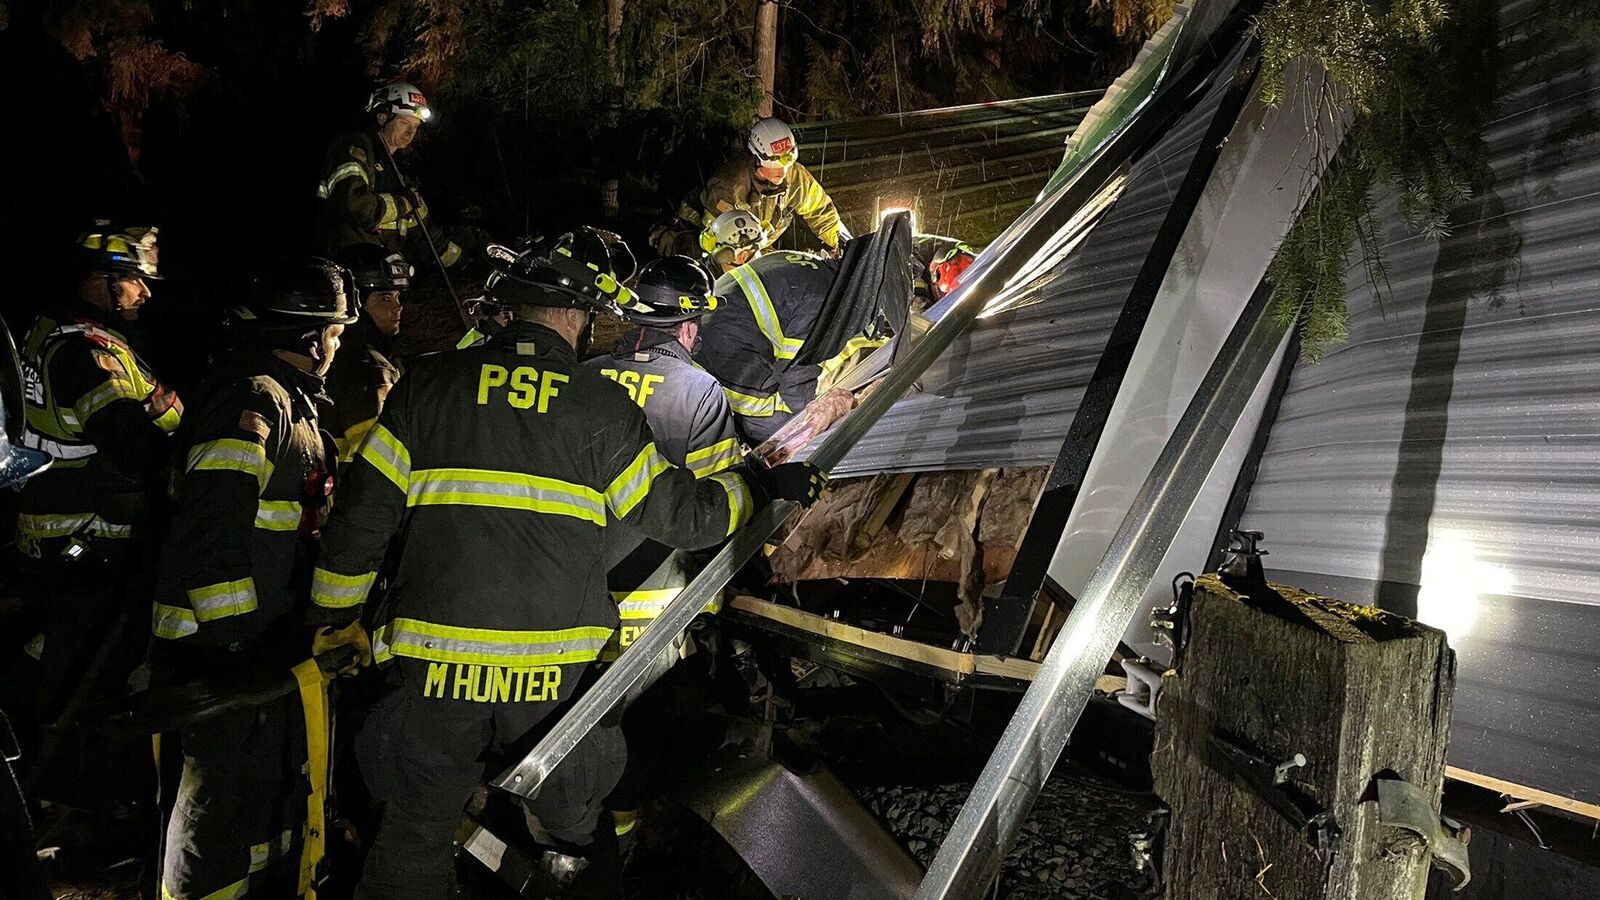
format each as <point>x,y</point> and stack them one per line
<point>967,170</point>
<point>1453,443</point>
<point>1005,394</point>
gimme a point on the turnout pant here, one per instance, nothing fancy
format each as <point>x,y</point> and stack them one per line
<point>424,750</point>
<point>236,829</point>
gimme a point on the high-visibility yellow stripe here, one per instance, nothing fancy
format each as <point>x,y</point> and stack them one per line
<point>388,454</point>
<point>740,503</point>
<point>111,391</point>
<point>715,458</point>
<point>630,488</point>
<point>278,515</point>
<point>749,405</point>
<point>430,641</point>
<point>766,314</point>
<point>336,591</point>
<point>472,338</point>
<point>226,598</point>
<point>173,622</point>
<point>391,211</point>
<point>449,254</point>
<point>505,490</point>
<point>348,170</point>
<point>648,604</point>
<point>231,455</point>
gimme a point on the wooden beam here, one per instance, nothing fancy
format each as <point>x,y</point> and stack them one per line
<point>1522,792</point>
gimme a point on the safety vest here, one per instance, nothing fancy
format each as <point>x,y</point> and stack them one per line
<point>56,427</point>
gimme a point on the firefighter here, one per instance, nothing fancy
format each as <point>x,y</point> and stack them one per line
<point>506,462</point>
<point>99,411</point>
<point>686,410</point>
<point>770,183</point>
<point>253,478</point>
<point>361,199</point>
<point>689,416</point>
<point>363,373</point>
<point>765,310</point>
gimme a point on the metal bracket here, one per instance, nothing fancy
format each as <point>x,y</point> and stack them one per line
<point>1403,805</point>
<point>1144,687</point>
<point>1270,781</point>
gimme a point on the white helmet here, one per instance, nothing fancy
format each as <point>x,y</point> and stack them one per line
<point>733,230</point>
<point>773,143</point>
<point>400,99</point>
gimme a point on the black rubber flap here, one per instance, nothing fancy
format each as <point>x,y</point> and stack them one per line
<point>870,295</point>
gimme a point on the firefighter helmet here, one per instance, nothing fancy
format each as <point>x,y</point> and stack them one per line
<point>118,253</point>
<point>734,230</point>
<point>299,295</point>
<point>670,290</point>
<point>575,269</point>
<point>944,272</point>
<point>376,269</point>
<point>400,98</point>
<point>772,143</point>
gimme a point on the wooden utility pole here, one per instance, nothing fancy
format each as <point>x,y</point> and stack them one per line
<point>766,50</point>
<point>610,204</point>
<point>1274,735</point>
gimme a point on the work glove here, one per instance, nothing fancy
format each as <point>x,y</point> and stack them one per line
<point>801,482</point>
<point>353,635</point>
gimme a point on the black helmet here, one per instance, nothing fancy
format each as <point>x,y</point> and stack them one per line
<point>576,269</point>
<point>117,252</point>
<point>299,295</point>
<point>670,290</point>
<point>376,268</point>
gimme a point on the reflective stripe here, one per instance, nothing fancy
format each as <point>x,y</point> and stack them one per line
<point>450,254</point>
<point>391,211</point>
<point>628,489</point>
<point>33,440</point>
<point>713,459</point>
<point>472,338</point>
<point>111,391</point>
<point>490,647</point>
<point>505,490</point>
<point>58,525</point>
<point>173,622</point>
<point>647,604</point>
<point>231,455</point>
<point>348,170</point>
<point>740,503</point>
<point>337,591</point>
<point>278,515</point>
<point>388,454</point>
<point>233,891</point>
<point>766,314</point>
<point>753,406</point>
<point>623,822</point>
<point>218,601</point>
<point>265,852</point>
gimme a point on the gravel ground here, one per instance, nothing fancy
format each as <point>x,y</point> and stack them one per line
<point>1077,843</point>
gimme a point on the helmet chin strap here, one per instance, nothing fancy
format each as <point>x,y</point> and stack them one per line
<point>586,334</point>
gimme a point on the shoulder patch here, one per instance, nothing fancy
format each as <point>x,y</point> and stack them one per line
<point>255,423</point>
<point>724,206</point>
<point>109,362</point>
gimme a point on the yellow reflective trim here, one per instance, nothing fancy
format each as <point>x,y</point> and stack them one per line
<point>348,170</point>
<point>231,455</point>
<point>172,622</point>
<point>111,391</point>
<point>388,454</point>
<point>740,503</point>
<point>749,405</point>
<point>391,211</point>
<point>430,641</point>
<point>630,488</point>
<point>169,420</point>
<point>623,822</point>
<point>715,458</point>
<point>56,525</point>
<point>505,490</point>
<point>472,338</point>
<point>278,515</point>
<point>336,591</point>
<point>226,598</point>
<point>766,314</point>
<point>450,254</point>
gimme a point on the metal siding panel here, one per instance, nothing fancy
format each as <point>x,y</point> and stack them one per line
<point>1473,468</point>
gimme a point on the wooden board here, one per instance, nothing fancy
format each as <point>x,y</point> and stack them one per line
<point>1522,792</point>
